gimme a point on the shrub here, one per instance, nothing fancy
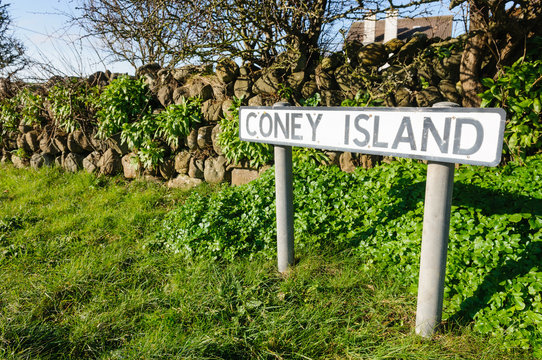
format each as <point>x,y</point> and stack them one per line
<point>123,101</point>
<point>30,107</point>
<point>236,150</point>
<point>9,116</point>
<point>73,105</point>
<point>518,90</point>
<point>176,121</point>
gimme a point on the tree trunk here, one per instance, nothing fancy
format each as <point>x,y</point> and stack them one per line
<point>471,61</point>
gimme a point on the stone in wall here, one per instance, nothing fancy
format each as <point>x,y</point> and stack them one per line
<point>5,156</point>
<point>39,160</point>
<point>352,48</point>
<point>204,137</point>
<point>182,162</point>
<point>346,78</point>
<point>369,161</point>
<point>179,94</point>
<point>149,73</point>
<point>212,110</point>
<point>99,78</point>
<point>215,170</point>
<point>183,73</point>
<point>61,142</point>
<point>412,47</point>
<point>24,128</point>
<point>129,166</point>
<point>268,82</point>
<point>296,79</point>
<point>195,168</point>
<point>226,107</point>
<point>451,65</point>
<point>333,157</point>
<point>255,101</point>
<point>19,162</point>
<point>47,145</point>
<point>332,62</point>
<point>183,182</point>
<point>404,97</point>
<point>242,87</point>
<point>73,145</point>
<point>243,176</point>
<point>448,90</point>
<point>197,87</point>
<point>167,168</point>
<point>401,75</point>
<point>425,70</point>
<point>110,163</point>
<point>72,162</point>
<point>394,45</point>
<point>116,144</point>
<point>374,54</point>
<point>79,142</point>
<point>331,97</point>
<point>324,80</point>
<point>348,162</point>
<point>9,141</point>
<point>192,139</point>
<point>165,78</point>
<point>226,70</point>
<point>165,95</point>
<point>31,139</point>
<point>214,138</point>
<point>91,161</point>
<point>309,88</point>
<point>428,96</point>
<point>22,144</point>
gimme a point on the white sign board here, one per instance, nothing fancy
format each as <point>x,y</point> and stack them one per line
<point>454,135</point>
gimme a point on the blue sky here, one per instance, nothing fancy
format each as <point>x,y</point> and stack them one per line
<point>41,26</point>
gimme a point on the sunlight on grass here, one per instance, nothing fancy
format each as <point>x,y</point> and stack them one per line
<point>79,282</point>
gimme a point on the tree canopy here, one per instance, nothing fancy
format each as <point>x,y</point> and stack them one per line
<point>171,32</point>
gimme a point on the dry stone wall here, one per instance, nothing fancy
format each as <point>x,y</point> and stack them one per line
<point>419,72</point>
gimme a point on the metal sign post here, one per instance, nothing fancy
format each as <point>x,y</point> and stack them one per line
<point>436,229</point>
<point>285,204</point>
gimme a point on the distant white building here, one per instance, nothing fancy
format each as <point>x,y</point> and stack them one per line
<point>372,30</point>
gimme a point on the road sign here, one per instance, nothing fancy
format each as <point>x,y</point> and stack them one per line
<point>453,135</point>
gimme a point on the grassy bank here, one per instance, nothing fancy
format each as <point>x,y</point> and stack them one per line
<point>79,280</point>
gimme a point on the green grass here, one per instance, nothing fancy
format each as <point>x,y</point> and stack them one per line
<point>78,281</point>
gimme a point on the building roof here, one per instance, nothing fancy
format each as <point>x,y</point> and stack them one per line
<point>432,26</point>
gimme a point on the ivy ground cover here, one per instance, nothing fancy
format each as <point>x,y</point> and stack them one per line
<point>494,278</point>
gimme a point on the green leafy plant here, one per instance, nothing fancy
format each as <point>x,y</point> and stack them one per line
<point>24,108</point>
<point>31,107</point>
<point>362,99</point>
<point>518,90</point>
<point>141,137</point>
<point>309,155</point>
<point>314,100</point>
<point>9,115</point>
<point>125,110</point>
<point>176,121</point>
<point>285,92</point>
<point>72,104</point>
<point>234,149</point>
<point>20,152</point>
<point>124,100</point>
